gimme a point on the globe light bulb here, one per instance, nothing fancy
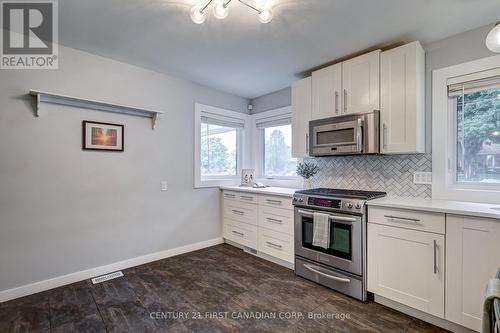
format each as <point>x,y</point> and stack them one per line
<point>197,15</point>
<point>493,39</point>
<point>220,10</point>
<point>266,16</point>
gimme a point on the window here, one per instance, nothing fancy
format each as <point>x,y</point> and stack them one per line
<point>475,106</point>
<point>218,146</point>
<point>275,145</point>
<point>277,160</point>
<point>466,131</point>
<point>218,150</point>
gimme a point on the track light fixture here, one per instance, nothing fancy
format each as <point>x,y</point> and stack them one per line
<point>221,11</point>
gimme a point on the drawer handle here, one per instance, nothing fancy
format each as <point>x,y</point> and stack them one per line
<point>407,219</point>
<point>238,233</point>
<point>274,245</point>
<point>238,212</point>
<point>435,257</point>
<point>274,202</point>
<point>274,220</point>
<point>226,195</point>
<point>315,270</point>
<point>246,198</point>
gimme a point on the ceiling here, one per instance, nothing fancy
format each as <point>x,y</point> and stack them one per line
<point>240,55</point>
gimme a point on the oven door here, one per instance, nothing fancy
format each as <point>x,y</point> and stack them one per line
<point>345,250</point>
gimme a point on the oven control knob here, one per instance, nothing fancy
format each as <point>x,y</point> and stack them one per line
<point>349,205</point>
<point>300,199</point>
<point>358,206</point>
<point>294,199</point>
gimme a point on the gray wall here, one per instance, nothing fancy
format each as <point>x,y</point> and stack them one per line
<point>454,50</point>
<point>64,210</point>
<point>451,51</point>
<point>273,100</point>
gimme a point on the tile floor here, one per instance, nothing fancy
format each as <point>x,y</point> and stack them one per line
<point>218,289</point>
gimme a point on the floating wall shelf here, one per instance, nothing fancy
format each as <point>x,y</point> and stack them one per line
<point>46,97</point>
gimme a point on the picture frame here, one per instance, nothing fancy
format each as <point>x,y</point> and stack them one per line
<point>247,177</point>
<point>103,136</point>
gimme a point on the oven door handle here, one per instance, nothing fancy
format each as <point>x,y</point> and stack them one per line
<point>331,217</point>
<point>336,278</point>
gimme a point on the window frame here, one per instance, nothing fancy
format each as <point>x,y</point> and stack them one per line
<point>444,142</point>
<point>215,181</point>
<point>259,151</point>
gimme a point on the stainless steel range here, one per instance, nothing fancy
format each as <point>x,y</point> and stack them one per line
<point>341,265</point>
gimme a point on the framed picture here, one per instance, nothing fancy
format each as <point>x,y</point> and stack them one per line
<point>102,136</point>
<point>247,177</point>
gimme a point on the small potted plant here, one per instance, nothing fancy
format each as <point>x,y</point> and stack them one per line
<point>307,170</point>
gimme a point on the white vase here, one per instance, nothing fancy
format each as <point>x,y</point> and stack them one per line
<point>306,184</point>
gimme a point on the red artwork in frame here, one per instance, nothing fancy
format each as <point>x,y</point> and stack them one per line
<point>102,136</point>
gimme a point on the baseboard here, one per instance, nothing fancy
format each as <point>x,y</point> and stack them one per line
<point>448,325</point>
<point>33,288</point>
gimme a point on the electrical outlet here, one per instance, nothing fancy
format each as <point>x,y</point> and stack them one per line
<point>422,178</point>
<point>164,186</point>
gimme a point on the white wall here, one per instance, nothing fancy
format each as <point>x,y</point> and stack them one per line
<point>64,210</point>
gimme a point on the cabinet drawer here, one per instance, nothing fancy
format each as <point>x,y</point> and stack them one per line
<point>276,244</point>
<point>274,201</point>
<point>409,219</point>
<point>241,233</point>
<point>276,219</point>
<point>229,195</point>
<point>241,212</point>
<point>240,196</point>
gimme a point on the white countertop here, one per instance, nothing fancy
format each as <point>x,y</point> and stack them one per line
<point>440,206</point>
<point>280,191</point>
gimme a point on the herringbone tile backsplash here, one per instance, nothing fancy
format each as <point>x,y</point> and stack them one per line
<point>392,174</point>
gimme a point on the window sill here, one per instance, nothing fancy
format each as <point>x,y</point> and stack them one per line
<point>215,183</point>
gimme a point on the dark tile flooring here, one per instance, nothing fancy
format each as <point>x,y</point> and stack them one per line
<point>218,289</point>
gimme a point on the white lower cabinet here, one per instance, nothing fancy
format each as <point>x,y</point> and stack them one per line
<point>241,233</point>
<point>276,244</point>
<point>473,257</point>
<point>407,266</point>
<point>265,224</point>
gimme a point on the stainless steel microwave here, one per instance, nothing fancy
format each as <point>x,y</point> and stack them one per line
<point>352,134</point>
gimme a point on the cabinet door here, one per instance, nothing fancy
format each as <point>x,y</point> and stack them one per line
<point>301,115</point>
<point>326,92</point>
<point>407,266</point>
<point>473,257</point>
<point>402,99</point>
<point>361,83</point>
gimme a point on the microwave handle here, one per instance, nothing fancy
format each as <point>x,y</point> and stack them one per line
<point>359,136</point>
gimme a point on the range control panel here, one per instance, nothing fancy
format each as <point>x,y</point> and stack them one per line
<point>353,205</point>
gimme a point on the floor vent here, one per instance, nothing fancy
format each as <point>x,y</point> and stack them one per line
<point>249,250</point>
<point>107,277</point>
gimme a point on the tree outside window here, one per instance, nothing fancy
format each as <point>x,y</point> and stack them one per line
<point>218,150</point>
<point>478,135</point>
<point>278,161</point>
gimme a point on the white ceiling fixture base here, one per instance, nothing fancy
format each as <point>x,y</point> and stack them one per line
<point>221,11</point>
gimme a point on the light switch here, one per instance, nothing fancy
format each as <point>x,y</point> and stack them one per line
<point>164,186</point>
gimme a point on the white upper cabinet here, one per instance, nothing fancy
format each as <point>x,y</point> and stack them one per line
<point>402,104</point>
<point>301,115</point>
<point>326,92</point>
<point>472,259</point>
<point>361,83</point>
